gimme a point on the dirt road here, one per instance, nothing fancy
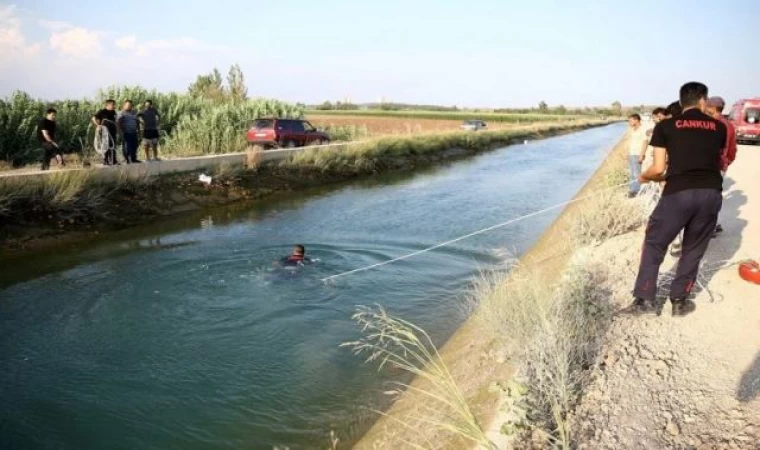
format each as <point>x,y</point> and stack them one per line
<point>692,382</point>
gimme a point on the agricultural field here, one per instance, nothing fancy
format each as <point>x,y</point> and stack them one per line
<point>361,124</point>
<point>368,126</point>
<point>452,116</point>
<point>193,126</point>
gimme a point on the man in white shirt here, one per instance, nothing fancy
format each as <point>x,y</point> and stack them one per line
<point>637,145</point>
<point>648,157</point>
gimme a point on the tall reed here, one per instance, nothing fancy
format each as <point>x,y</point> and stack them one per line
<point>190,126</point>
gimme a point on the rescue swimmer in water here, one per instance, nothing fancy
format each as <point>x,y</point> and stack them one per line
<point>297,257</point>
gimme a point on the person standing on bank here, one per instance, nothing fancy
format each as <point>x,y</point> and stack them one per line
<point>149,118</point>
<point>658,114</point>
<point>674,110</point>
<point>715,107</point>
<point>107,118</point>
<point>127,121</point>
<point>637,145</point>
<point>692,144</point>
<point>46,136</point>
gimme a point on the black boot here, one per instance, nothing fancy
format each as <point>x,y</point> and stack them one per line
<point>640,307</point>
<point>682,306</point>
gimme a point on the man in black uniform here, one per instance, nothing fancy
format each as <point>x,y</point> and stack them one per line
<point>107,118</point>
<point>691,143</point>
<point>46,136</point>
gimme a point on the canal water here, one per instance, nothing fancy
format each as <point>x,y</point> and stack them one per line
<point>183,335</point>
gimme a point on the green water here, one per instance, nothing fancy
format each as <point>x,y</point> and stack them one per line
<point>182,334</point>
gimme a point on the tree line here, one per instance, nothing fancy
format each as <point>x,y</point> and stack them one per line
<point>615,109</point>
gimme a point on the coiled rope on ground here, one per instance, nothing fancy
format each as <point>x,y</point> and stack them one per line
<point>103,140</point>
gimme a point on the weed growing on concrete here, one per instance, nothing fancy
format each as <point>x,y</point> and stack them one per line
<point>394,342</point>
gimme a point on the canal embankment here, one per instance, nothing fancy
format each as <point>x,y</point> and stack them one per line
<point>485,357</point>
<point>40,209</point>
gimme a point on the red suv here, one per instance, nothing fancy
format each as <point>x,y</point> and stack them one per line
<point>745,116</point>
<point>288,133</point>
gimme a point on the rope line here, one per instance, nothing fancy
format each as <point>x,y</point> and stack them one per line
<point>103,140</point>
<point>474,233</point>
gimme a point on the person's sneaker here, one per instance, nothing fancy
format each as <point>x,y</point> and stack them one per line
<point>632,195</point>
<point>640,307</point>
<point>682,306</point>
<point>675,250</point>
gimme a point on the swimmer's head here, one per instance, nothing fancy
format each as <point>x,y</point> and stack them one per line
<point>299,250</point>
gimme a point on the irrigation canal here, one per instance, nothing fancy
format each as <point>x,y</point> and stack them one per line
<point>181,334</point>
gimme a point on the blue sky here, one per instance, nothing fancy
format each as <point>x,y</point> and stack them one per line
<point>495,53</point>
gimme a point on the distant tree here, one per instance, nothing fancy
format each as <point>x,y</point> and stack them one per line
<point>325,106</point>
<point>236,84</point>
<point>617,108</point>
<point>208,86</point>
<point>561,109</point>
<point>345,106</point>
<point>543,107</point>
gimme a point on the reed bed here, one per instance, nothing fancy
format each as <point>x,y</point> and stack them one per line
<point>190,126</point>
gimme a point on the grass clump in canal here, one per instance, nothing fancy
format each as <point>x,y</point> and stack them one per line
<point>394,342</point>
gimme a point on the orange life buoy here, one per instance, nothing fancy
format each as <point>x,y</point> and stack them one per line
<point>750,271</point>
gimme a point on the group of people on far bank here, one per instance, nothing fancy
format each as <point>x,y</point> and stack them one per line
<point>685,155</point>
<point>128,123</point>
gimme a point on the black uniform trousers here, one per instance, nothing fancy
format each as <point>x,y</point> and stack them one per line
<point>696,212</point>
<point>49,151</point>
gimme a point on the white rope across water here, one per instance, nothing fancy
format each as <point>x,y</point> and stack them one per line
<point>474,233</point>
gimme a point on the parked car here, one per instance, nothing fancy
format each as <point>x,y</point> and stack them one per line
<point>474,125</point>
<point>745,115</point>
<point>288,133</point>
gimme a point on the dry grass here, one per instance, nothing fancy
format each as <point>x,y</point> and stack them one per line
<point>611,213</point>
<point>390,126</point>
<point>70,195</point>
<point>557,329</point>
<point>555,361</point>
<point>394,342</point>
<point>554,329</point>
